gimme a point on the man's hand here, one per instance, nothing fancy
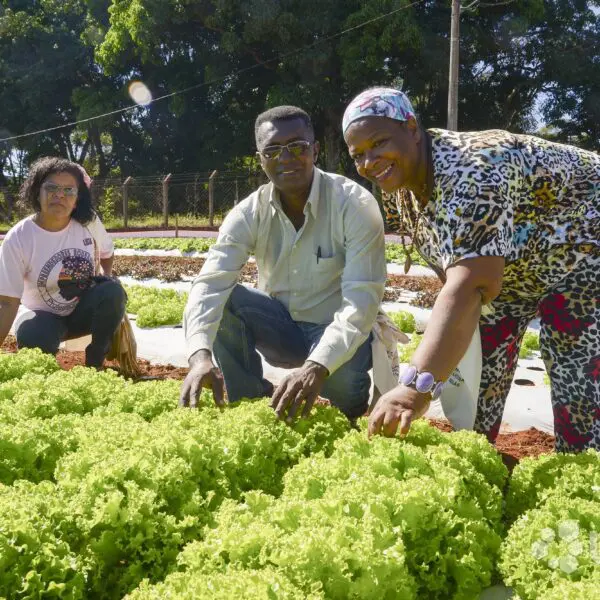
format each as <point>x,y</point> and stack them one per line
<point>203,374</point>
<point>304,384</point>
<point>400,406</point>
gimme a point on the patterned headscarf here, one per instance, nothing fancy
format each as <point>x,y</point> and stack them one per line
<point>378,102</point>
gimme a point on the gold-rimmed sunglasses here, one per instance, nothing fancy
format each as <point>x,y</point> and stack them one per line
<point>296,149</point>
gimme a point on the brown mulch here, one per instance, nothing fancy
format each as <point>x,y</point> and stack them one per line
<point>518,444</point>
<point>174,268</point>
<point>515,445</point>
<point>169,268</point>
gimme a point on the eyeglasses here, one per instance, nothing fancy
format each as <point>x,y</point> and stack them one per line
<point>296,149</point>
<point>52,190</point>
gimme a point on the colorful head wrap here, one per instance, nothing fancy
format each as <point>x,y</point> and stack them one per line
<point>378,102</point>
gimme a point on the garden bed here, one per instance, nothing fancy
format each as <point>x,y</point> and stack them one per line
<point>512,445</point>
<point>174,268</point>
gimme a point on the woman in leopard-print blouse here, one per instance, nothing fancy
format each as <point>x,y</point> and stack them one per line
<point>508,221</point>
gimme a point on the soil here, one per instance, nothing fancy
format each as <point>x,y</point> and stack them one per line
<point>170,268</point>
<point>68,360</point>
<point>174,268</point>
<point>515,445</point>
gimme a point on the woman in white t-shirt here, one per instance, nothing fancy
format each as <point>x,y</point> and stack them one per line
<point>57,263</point>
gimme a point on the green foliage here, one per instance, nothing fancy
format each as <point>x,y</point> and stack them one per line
<point>36,561</point>
<point>405,351</point>
<point>574,590</point>
<point>30,449</point>
<point>548,545</point>
<point>363,522</point>
<point>530,343</point>
<point>404,320</point>
<point>78,391</point>
<point>266,584</point>
<point>148,399</point>
<point>105,486</point>
<point>534,480</point>
<point>155,306</point>
<point>185,245</point>
<point>26,361</point>
<point>394,253</point>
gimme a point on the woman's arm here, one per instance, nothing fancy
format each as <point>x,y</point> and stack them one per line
<point>469,284</point>
<point>106,264</point>
<point>8,311</point>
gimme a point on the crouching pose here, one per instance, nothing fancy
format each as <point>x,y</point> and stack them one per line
<point>319,247</point>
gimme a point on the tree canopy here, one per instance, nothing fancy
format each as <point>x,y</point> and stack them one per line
<point>525,65</point>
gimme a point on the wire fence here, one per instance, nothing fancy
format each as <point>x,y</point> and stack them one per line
<point>160,201</point>
<point>190,198</point>
<point>201,199</point>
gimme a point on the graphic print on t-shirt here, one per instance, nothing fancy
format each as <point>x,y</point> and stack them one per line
<point>72,269</point>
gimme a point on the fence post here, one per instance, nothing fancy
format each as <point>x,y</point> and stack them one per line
<point>126,200</point>
<point>237,192</point>
<point>9,204</point>
<point>211,197</point>
<point>196,198</point>
<point>165,200</point>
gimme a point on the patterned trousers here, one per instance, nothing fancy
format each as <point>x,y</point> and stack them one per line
<point>569,313</point>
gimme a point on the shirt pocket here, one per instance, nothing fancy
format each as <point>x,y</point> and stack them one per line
<point>327,272</point>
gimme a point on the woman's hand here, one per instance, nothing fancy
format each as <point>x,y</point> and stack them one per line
<point>399,407</point>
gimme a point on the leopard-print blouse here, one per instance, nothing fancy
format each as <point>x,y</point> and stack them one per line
<point>534,202</point>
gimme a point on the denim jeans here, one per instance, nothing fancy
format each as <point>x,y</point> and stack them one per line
<point>253,320</point>
<point>99,312</point>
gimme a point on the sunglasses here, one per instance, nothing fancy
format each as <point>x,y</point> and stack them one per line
<point>296,149</point>
<point>52,190</point>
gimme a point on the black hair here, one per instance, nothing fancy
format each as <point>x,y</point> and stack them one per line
<point>282,113</point>
<point>41,169</point>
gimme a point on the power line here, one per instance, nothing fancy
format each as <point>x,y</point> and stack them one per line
<point>213,81</point>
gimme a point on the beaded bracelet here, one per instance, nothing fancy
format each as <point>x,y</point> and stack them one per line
<point>422,381</point>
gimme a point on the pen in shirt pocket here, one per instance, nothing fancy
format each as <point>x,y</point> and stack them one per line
<point>318,253</point>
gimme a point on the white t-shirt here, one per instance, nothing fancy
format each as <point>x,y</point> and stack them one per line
<point>48,270</point>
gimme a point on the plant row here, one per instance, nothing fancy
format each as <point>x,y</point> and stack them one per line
<point>108,489</point>
<point>394,253</point>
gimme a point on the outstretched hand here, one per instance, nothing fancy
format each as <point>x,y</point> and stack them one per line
<point>202,374</point>
<point>303,385</point>
<point>398,408</point>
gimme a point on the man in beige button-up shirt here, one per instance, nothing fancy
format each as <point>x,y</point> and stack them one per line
<point>319,247</point>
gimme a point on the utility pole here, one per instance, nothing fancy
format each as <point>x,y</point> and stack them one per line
<point>453,74</point>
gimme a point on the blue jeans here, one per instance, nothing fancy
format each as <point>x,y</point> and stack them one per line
<point>253,320</point>
<point>99,312</point>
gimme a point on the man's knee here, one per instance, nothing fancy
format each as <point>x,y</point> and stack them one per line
<point>349,391</point>
<point>244,298</point>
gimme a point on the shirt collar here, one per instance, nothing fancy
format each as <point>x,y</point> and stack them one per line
<point>312,202</point>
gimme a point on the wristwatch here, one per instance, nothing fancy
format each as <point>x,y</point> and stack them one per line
<point>422,381</point>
